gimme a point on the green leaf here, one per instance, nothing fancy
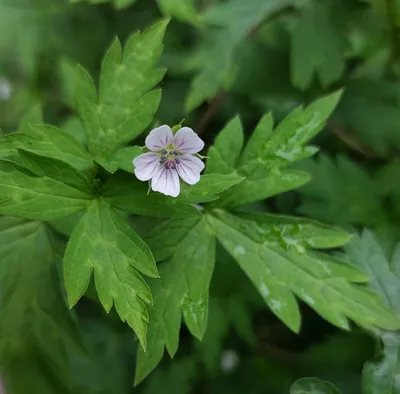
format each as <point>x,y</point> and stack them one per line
<point>265,157</point>
<point>250,190</point>
<point>341,192</point>
<point>238,19</point>
<point>380,376</point>
<point>313,386</point>
<point>255,146</point>
<point>39,197</point>
<point>370,108</point>
<point>278,262</point>
<point>41,20</point>
<point>182,10</point>
<point>7,147</point>
<point>388,188</point>
<point>49,141</point>
<point>316,48</point>
<point>33,116</point>
<point>40,349</point>
<point>240,15</point>
<point>126,103</point>
<point>22,248</point>
<point>175,379</point>
<point>223,156</point>
<point>125,192</point>
<point>104,244</point>
<point>188,247</point>
<point>122,159</point>
<point>73,126</point>
<point>224,314</point>
<point>208,188</point>
<point>119,4</point>
<point>58,170</point>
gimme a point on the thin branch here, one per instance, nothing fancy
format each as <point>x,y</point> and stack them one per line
<point>210,111</point>
<point>351,139</point>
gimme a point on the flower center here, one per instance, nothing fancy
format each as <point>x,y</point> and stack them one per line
<point>168,159</point>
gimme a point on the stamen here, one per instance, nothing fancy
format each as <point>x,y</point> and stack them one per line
<point>166,165</point>
<point>163,158</point>
<point>173,167</point>
<point>164,151</point>
<point>177,161</point>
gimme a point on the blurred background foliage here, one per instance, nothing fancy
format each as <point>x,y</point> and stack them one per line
<point>243,57</point>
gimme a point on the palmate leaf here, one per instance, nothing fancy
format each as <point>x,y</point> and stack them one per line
<point>186,248</point>
<point>236,19</point>
<point>126,102</point>
<point>274,253</point>
<point>103,243</point>
<point>381,376</point>
<point>267,153</point>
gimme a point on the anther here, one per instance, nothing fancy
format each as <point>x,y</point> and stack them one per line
<point>177,161</point>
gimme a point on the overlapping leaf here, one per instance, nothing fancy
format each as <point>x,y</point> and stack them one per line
<point>43,192</point>
<point>105,245</point>
<point>136,199</point>
<point>274,253</point>
<point>38,334</point>
<point>268,152</point>
<point>49,141</point>
<point>188,247</point>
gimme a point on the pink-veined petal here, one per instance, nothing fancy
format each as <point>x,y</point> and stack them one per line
<point>189,168</point>
<point>187,141</point>
<point>159,138</point>
<point>146,165</point>
<point>166,181</point>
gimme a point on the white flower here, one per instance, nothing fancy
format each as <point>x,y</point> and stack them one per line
<point>171,157</point>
